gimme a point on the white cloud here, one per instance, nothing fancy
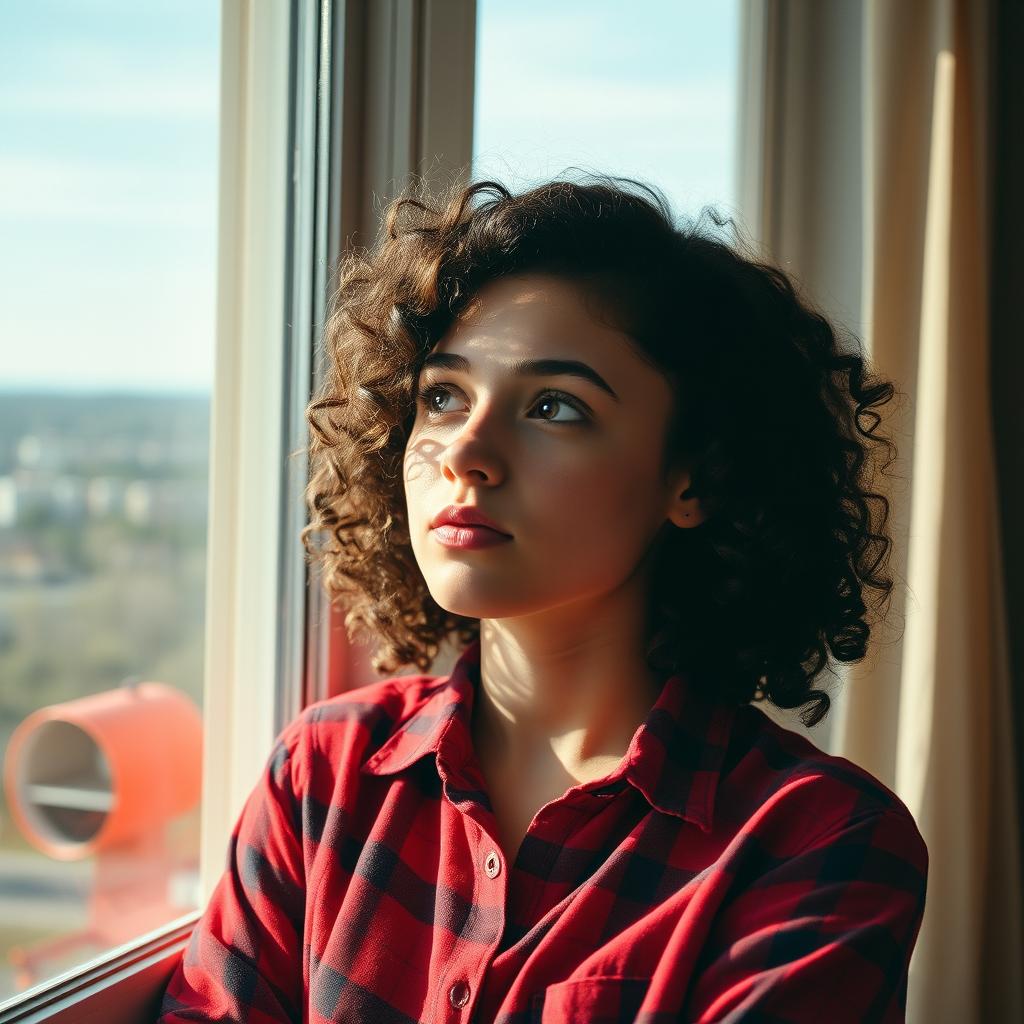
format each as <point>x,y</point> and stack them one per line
<point>100,191</point>
<point>131,98</point>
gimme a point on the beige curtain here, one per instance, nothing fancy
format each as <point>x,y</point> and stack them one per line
<point>864,139</point>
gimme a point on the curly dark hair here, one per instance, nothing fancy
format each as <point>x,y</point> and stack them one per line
<point>774,415</point>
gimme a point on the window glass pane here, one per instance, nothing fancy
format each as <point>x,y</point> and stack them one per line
<point>108,191</point>
<point>643,90</point>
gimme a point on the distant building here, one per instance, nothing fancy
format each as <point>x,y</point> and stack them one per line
<point>67,498</point>
<point>104,496</point>
<point>22,492</point>
<point>8,501</point>
<point>166,502</point>
<point>138,502</point>
<point>20,562</point>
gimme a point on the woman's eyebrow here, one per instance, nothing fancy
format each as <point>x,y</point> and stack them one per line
<point>526,368</point>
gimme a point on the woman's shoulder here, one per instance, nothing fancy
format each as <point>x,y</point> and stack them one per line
<point>369,713</point>
<point>781,773</point>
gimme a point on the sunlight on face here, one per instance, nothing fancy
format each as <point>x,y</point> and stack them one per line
<point>568,469</point>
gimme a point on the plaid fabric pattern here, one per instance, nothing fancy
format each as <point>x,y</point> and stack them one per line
<point>726,871</point>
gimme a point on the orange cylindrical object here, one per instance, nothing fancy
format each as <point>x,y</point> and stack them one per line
<point>151,735</point>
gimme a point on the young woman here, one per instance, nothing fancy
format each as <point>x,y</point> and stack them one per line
<point>627,470</point>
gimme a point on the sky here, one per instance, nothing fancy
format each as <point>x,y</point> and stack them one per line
<point>109,153</point>
<point>643,88</point>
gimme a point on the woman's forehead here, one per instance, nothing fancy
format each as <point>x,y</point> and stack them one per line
<point>525,299</point>
<point>520,317</point>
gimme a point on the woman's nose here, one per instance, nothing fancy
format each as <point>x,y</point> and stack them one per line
<point>476,448</point>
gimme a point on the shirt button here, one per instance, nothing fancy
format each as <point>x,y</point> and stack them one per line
<point>492,865</point>
<point>458,994</point>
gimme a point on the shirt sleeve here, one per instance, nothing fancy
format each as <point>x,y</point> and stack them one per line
<point>244,960</point>
<point>824,935</point>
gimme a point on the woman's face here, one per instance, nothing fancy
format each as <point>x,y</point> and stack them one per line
<point>575,480</point>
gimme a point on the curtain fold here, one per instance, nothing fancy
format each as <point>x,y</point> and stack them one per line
<point>929,710</point>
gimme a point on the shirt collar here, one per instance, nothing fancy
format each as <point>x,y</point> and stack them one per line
<point>674,758</point>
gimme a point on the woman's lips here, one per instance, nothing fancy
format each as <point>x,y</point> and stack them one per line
<point>452,536</point>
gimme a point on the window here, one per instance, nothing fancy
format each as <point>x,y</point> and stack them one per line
<point>108,210</point>
<point>650,93</point>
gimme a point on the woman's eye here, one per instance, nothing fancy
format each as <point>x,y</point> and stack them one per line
<point>549,398</point>
<point>428,398</point>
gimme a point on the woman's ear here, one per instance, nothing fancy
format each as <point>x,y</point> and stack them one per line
<point>685,509</point>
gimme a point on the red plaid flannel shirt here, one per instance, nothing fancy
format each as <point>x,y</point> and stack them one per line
<point>727,870</point>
